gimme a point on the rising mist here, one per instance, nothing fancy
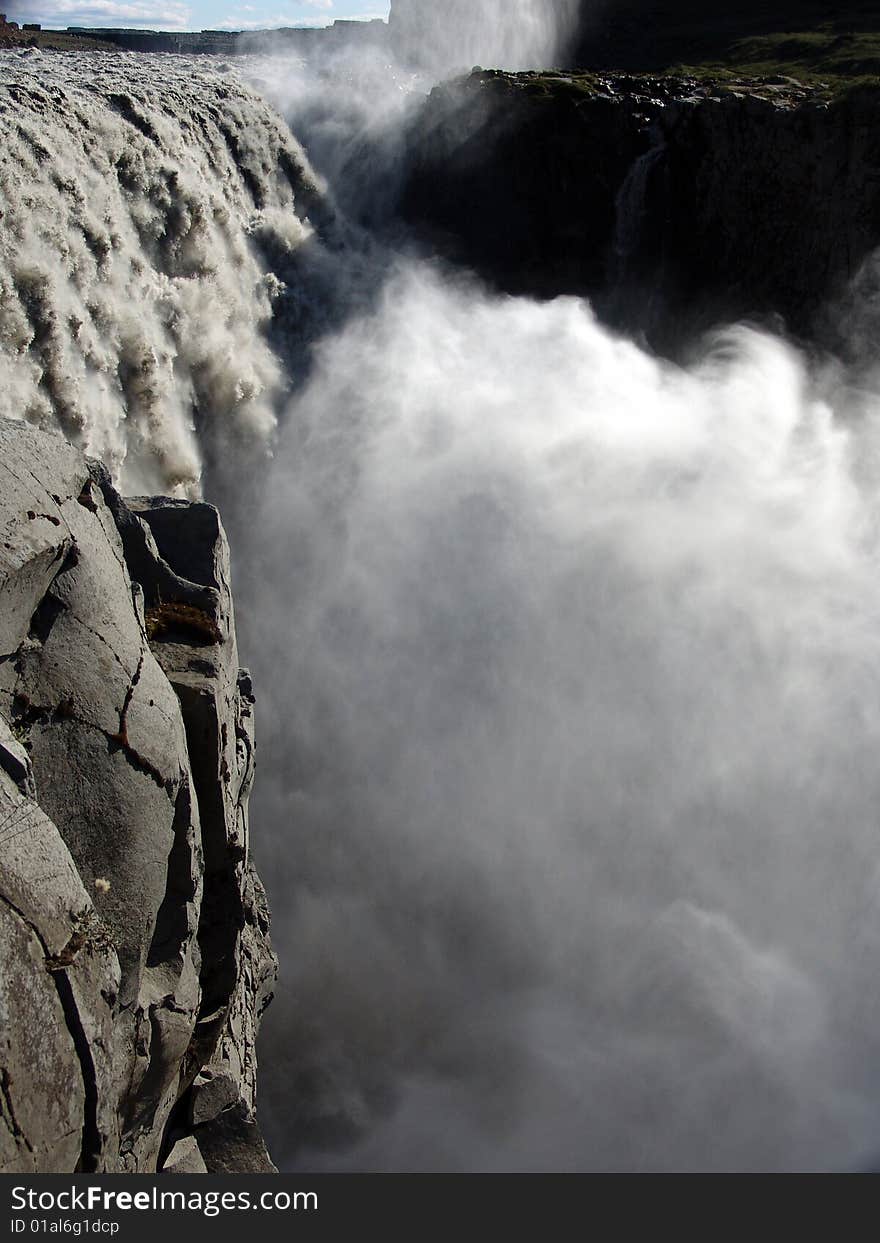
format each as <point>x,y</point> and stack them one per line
<point>572,659</point>
<point>505,34</point>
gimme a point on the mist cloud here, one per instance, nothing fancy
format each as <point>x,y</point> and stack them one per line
<point>570,749</point>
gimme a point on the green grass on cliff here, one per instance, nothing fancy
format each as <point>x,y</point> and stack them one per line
<point>815,41</point>
<point>839,62</point>
<point>840,48</point>
<point>51,40</point>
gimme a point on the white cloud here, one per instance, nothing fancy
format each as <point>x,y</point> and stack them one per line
<point>174,14</point>
<point>165,14</point>
<point>268,22</point>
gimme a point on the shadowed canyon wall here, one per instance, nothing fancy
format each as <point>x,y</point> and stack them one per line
<point>674,203</point>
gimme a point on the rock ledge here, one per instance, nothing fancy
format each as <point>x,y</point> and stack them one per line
<point>137,961</point>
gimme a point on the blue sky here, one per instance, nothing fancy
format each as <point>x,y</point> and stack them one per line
<point>190,14</point>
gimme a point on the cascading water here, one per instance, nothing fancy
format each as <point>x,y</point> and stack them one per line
<point>138,193</point>
<point>632,202</point>
<point>508,34</point>
<point>568,659</point>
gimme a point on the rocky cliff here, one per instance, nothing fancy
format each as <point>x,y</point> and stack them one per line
<point>136,960</point>
<point>651,194</point>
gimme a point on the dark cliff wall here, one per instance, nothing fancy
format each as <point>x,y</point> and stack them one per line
<point>650,195</point>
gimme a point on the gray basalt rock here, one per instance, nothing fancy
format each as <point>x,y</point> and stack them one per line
<point>185,1158</point>
<point>136,961</point>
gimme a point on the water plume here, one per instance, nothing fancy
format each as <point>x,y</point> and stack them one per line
<point>497,34</point>
<point>570,749</point>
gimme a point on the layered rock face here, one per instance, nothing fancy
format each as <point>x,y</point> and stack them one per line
<point>136,959</point>
<point>650,195</point>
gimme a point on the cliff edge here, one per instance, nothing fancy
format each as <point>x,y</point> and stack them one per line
<point>669,201</point>
<point>137,960</point>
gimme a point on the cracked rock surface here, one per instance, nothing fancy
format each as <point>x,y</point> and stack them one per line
<point>136,961</point>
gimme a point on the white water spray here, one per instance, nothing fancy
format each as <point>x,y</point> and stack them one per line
<point>575,674</point>
<point>497,34</point>
<point>137,192</point>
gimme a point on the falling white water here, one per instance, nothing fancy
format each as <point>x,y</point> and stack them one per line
<point>137,195</point>
<point>497,34</point>
<point>632,202</point>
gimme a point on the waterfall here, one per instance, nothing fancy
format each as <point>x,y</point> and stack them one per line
<point>141,196</point>
<point>632,203</point>
<point>567,657</point>
<point>499,34</point>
